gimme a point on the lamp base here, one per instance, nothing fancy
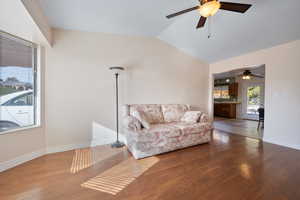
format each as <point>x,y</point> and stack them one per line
<point>117,144</point>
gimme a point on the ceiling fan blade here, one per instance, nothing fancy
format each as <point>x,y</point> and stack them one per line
<point>201,22</point>
<point>235,7</point>
<point>182,12</point>
<point>258,76</point>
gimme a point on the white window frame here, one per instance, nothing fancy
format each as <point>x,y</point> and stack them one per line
<point>37,86</point>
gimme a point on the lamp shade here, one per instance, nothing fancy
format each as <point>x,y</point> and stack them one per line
<point>117,69</point>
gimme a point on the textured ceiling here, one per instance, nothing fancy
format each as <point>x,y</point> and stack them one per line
<point>267,23</point>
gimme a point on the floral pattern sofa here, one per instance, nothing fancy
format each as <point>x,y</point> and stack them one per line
<point>152,129</point>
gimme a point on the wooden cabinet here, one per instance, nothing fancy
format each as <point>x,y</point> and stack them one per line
<point>233,90</point>
<point>225,110</point>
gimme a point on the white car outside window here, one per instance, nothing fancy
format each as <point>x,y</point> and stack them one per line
<point>16,110</point>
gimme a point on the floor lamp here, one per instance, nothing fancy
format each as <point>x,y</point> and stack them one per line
<point>117,71</point>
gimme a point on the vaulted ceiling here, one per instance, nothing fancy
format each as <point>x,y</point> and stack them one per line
<point>267,23</point>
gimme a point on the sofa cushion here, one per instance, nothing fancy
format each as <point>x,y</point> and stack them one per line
<point>191,128</point>
<point>173,112</point>
<point>165,130</point>
<point>142,117</point>
<point>156,133</point>
<point>152,112</point>
<point>191,116</point>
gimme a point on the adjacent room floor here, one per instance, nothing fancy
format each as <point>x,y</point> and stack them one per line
<point>242,127</point>
<point>230,167</point>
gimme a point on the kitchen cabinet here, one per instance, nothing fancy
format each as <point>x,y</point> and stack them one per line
<point>227,110</point>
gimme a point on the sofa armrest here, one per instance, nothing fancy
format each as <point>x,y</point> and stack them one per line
<point>204,118</point>
<point>132,123</point>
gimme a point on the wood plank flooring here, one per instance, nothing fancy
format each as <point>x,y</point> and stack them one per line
<point>242,127</point>
<point>230,167</point>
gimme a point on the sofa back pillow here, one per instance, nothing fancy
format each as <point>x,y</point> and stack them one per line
<point>173,112</point>
<point>130,122</point>
<point>204,118</point>
<point>152,112</point>
<point>191,116</point>
<point>140,115</point>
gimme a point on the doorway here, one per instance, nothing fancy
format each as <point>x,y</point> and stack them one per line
<point>237,111</point>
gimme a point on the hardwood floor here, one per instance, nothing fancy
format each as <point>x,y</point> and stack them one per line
<point>242,127</point>
<point>230,167</point>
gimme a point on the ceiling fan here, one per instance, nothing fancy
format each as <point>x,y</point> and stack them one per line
<point>208,8</point>
<point>247,75</point>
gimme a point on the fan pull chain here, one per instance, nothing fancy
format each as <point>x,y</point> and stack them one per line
<point>209,27</point>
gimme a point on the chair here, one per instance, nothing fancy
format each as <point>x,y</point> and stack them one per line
<point>261,117</point>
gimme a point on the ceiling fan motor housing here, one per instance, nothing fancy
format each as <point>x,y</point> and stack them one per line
<point>247,72</point>
<point>204,1</point>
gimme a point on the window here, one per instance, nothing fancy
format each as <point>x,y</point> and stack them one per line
<point>253,99</point>
<point>18,102</point>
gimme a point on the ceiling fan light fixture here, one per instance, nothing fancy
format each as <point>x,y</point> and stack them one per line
<point>246,77</point>
<point>209,8</point>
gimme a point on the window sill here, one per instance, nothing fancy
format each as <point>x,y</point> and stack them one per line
<point>20,129</point>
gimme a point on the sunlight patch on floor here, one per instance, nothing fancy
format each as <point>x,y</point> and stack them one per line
<point>81,160</point>
<point>118,177</point>
<point>84,158</point>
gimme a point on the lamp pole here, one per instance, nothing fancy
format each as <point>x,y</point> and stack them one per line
<point>117,104</point>
<point>117,144</point>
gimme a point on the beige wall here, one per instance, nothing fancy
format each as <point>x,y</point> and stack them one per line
<point>20,145</point>
<point>282,92</point>
<point>80,88</point>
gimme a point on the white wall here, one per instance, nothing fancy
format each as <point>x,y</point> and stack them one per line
<point>282,91</point>
<point>21,145</point>
<point>80,88</point>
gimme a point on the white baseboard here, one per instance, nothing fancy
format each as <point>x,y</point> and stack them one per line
<point>296,147</point>
<point>20,160</point>
<point>68,147</point>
